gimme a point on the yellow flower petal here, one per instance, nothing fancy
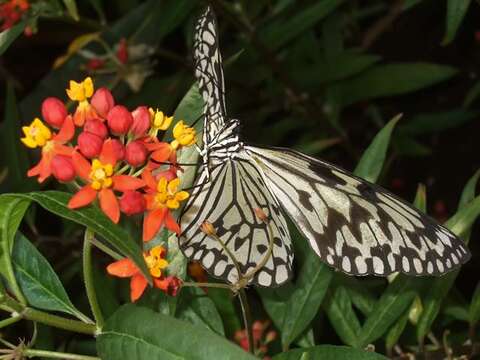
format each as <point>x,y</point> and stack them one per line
<point>173,204</point>
<point>182,195</point>
<point>157,251</point>
<point>162,185</point>
<point>162,263</point>
<point>173,186</point>
<point>29,142</point>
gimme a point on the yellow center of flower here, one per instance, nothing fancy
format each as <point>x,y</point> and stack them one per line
<point>155,260</point>
<point>184,135</point>
<point>101,175</point>
<point>36,134</point>
<point>168,194</point>
<point>80,91</point>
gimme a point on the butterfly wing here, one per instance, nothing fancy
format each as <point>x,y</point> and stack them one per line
<point>228,201</point>
<point>354,225</point>
<point>209,74</point>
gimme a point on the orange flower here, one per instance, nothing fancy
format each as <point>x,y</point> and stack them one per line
<point>81,92</point>
<point>156,263</point>
<point>162,196</point>
<point>102,181</point>
<point>39,135</point>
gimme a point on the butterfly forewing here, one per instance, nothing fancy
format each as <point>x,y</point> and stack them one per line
<point>228,201</point>
<point>354,225</point>
<point>209,74</point>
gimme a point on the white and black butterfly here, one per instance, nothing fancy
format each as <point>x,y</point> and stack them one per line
<point>351,224</point>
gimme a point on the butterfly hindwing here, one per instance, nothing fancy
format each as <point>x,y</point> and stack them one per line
<point>228,201</point>
<point>354,225</point>
<point>209,74</point>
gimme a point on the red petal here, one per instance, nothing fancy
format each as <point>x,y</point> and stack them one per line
<point>152,222</point>
<point>171,224</point>
<point>67,131</point>
<point>162,154</point>
<point>122,268</point>
<point>60,149</point>
<point>82,166</point>
<point>82,198</point>
<point>137,286</point>
<point>109,204</point>
<point>108,155</point>
<point>149,179</point>
<point>124,183</point>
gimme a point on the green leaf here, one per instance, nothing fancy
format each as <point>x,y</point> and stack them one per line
<point>294,307</point>
<point>91,217</point>
<point>468,192</point>
<point>371,163</point>
<point>420,201</point>
<point>12,211</point>
<point>225,303</point>
<point>338,307</point>
<point>464,218</point>
<point>137,333</point>
<point>71,6</point>
<point>437,121</point>
<point>9,35</point>
<point>277,34</point>
<point>456,11</point>
<point>329,352</point>
<point>474,309</point>
<point>14,156</point>
<point>395,300</point>
<point>197,308</point>
<point>38,281</point>
<point>392,79</point>
<point>396,331</point>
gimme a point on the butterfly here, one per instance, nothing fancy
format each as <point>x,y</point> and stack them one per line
<point>352,225</point>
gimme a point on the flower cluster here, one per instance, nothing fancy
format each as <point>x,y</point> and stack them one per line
<point>261,338</point>
<point>112,155</point>
<point>11,12</point>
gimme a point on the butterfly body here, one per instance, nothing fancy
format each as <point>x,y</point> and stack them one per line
<point>352,225</point>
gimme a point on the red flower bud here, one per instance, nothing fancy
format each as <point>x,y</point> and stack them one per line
<point>96,127</point>
<point>90,145</point>
<point>136,153</point>
<point>132,202</point>
<point>102,101</point>
<point>119,119</point>
<point>170,285</point>
<point>141,121</point>
<point>54,111</point>
<point>62,168</point>
<point>122,51</point>
<point>95,64</point>
<point>118,148</point>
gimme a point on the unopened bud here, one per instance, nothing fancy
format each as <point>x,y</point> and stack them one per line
<point>141,121</point>
<point>208,228</point>
<point>62,168</point>
<point>96,127</point>
<point>54,111</point>
<point>271,336</point>
<point>102,101</point>
<point>119,120</point>
<point>132,202</point>
<point>136,153</point>
<point>90,145</point>
<point>118,149</point>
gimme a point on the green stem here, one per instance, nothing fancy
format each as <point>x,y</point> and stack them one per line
<point>58,321</point>
<point>213,285</point>
<point>9,321</point>
<point>56,355</point>
<point>88,278</point>
<point>106,249</point>
<point>247,318</point>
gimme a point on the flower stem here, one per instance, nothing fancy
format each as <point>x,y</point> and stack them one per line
<point>213,285</point>
<point>9,321</point>
<point>56,355</point>
<point>247,318</point>
<point>58,321</point>
<point>88,278</point>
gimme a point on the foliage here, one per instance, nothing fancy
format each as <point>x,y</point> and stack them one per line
<point>327,77</point>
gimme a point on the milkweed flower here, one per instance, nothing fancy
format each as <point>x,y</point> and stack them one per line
<point>81,92</point>
<point>102,181</point>
<point>184,135</point>
<point>162,196</point>
<point>37,134</point>
<point>156,263</point>
<point>159,122</point>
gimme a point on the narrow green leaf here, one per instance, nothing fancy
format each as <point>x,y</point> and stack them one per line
<point>225,304</point>
<point>468,192</point>
<point>38,281</point>
<point>456,11</point>
<point>71,6</point>
<point>393,79</point>
<point>91,217</point>
<point>137,333</point>
<point>9,35</point>
<point>472,95</point>
<point>277,34</point>
<point>12,211</point>
<point>420,201</point>
<point>338,307</point>
<point>371,163</point>
<point>329,352</point>
<point>396,331</point>
<point>197,308</point>
<point>474,309</point>
<point>395,300</point>
<point>437,121</point>
<point>361,296</point>
<point>464,218</point>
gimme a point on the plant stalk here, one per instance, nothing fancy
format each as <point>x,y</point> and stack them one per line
<point>88,278</point>
<point>247,318</point>
<point>30,353</point>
